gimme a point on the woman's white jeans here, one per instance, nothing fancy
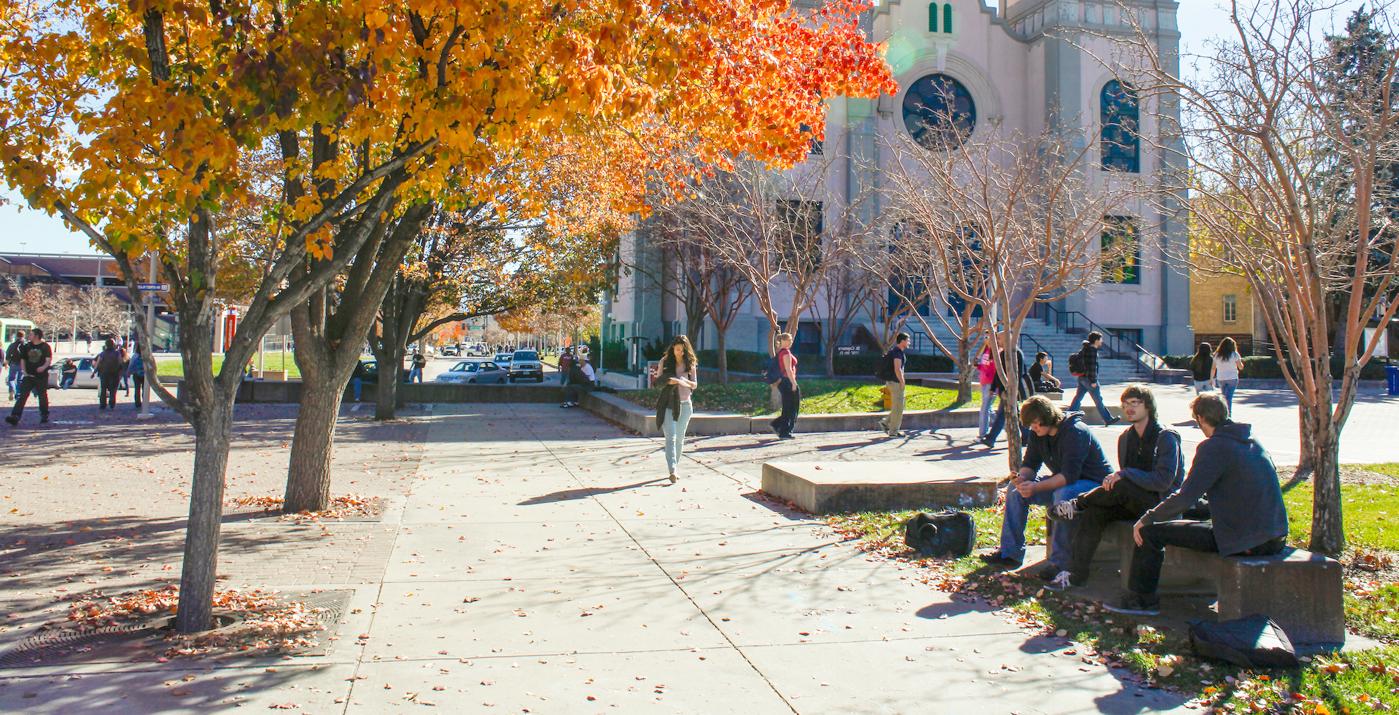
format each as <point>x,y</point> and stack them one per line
<point>675,434</point>
<point>984,418</point>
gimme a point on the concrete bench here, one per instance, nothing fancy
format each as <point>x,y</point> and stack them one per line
<point>834,487</point>
<point>1301,591</point>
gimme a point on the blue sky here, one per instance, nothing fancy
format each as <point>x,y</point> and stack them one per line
<point>25,230</point>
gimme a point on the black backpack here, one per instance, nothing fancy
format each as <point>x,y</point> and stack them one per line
<point>1076,364</point>
<point>1252,642</point>
<point>885,371</point>
<point>946,533</point>
<point>773,373</point>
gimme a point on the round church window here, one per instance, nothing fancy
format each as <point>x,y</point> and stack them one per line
<point>939,111</point>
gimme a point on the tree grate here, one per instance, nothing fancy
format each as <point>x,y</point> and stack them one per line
<point>122,643</point>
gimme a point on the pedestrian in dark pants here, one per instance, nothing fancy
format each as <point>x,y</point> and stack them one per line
<point>15,360</point>
<point>109,370</point>
<point>1088,378</point>
<point>37,358</point>
<point>357,379</point>
<point>565,365</point>
<point>137,370</point>
<point>1248,516</point>
<point>1151,467</point>
<point>1026,387</point>
<point>786,364</point>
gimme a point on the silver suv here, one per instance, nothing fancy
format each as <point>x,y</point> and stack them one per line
<point>525,364</point>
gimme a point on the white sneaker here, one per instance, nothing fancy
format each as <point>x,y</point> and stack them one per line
<point>1066,510</point>
<point>1060,582</point>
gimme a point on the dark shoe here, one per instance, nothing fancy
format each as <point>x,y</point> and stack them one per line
<point>773,426</point>
<point>786,436</point>
<point>884,425</point>
<point>1136,604</point>
<point>43,419</point>
<point>1048,573</point>
<point>988,442</point>
<point>996,559</point>
<point>12,420</point>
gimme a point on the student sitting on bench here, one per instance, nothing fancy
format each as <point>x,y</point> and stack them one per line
<point>1249,518</point>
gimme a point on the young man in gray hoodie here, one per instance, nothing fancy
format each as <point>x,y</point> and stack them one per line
<point>1151,467</point>
<point>1248,514</point>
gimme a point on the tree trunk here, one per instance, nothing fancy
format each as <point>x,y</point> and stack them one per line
<point>308,470</point>
<point>965,369</point>
<point>722,339</point>
<point>1011,406</point>
<point>830,360</point>
<point>1328,533</point>
<point>212,431</point>
<point>386,392</point>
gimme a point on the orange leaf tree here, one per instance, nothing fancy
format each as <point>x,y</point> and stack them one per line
<point>132,120</point>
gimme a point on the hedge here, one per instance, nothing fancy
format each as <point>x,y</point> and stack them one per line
<point>1265,367</point>
<point>851,365</point>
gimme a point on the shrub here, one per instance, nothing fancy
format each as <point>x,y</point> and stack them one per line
<point>847,365</point>
<point>1265,367</point>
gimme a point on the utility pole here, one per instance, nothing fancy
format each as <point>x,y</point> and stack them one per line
<point>147,363</point>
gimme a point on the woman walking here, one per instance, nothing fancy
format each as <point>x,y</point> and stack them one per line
<point>137,370</point>
<point>986,373</point>
<point>787,387</point>
<point>108,368</point>
<point>678,376</point>
<point>1227,364</point>
<point>1201,367</point>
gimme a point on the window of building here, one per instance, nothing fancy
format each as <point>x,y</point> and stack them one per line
<point>933,17</point>
<point>801,239</point>
<point>1121,251</point>
<point>947,18</point>
<point>807,341</point>
<point>1231,308</point>
<point>946,11</point>
<point>939,111</point>
<point>1121,145</point>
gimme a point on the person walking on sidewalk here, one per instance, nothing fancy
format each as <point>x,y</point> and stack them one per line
<point>14,359</point>
<point>108,367</point>
<point>137,370</point>
<point>1225,372</point>
<point>891,371</point>
<point>678,376</point>
<point>1151,466</point>
<point>565,364</point>
<point>986,375</point>
<point>1026,388</point>
<point>419,362</point>
<point>784,365</point>
<point>37,357</point>
<point>1202,368</point>
<point>125,347</point>
<point>1087,373</point>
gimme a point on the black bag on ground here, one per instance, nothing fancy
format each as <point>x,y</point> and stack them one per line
<point>1252,642</point>
<point>946,533</point>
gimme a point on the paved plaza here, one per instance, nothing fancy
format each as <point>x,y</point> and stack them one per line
<point>535,560</point>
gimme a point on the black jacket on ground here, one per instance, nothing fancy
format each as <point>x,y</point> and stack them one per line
<point>1073,452</point>
<point>1238,476</point>
<point>1152,460</point>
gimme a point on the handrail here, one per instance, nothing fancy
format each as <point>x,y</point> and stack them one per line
<point>1118,346</point>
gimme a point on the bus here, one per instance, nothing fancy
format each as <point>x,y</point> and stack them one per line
<point>10,327</point>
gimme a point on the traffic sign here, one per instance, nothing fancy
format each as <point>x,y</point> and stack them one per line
<point>158,287</point>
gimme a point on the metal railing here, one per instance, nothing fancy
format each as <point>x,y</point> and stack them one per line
<point>1074,322</point>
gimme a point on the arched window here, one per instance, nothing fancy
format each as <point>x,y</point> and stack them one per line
<point>939,111</point>
<point>947,18</point>
<point>932,17</point>
<point>1121,144</point>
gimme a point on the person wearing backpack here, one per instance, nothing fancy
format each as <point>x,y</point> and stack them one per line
<point>16,362</point>
<point>108,368</point>
<point>891,371</point>
<point>1084,365</point>
<point>782,371</point>
<point>137,370</point>
<point>1026,389</point>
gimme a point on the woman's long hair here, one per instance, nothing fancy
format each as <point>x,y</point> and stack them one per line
<point>1227,349</point>
<point>1203,351</point>
<point>691,360</point>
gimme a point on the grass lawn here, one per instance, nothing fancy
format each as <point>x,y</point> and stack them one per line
<point>172,368</point>
<point>818,397</point>
<point>1361,681</point>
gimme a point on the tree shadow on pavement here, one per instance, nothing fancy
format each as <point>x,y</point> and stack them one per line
<point>586,492</point>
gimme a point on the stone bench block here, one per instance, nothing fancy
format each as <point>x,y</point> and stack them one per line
<point>1298,589</point>
<point>835,487</point>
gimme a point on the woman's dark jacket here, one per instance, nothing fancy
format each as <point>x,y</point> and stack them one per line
<point>669,397</point>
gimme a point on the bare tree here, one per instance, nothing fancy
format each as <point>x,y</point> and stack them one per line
<point>99,311</point>
<point>1012,221</point>
<point>847,290</point>
<point>1289,140</point>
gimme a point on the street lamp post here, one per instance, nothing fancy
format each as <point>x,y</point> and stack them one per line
<point>75,332</point>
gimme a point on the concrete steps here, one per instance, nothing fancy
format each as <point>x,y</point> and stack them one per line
<point>1058,344</point>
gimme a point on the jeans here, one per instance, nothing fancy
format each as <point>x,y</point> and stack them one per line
<point>13,379</point>
<point>983,421</point>
<point>1227,387</point>
<point>66,381</point>
<point>1090,388</point>
<point>791,405</point>
<point>674,432</point>
<point>563,375</point>
<point>39,386</point>
<point>107,390</point>
<point>999,423</point>
<point>572,392</point>
<point>415,374</point>
<point>138,382</point>
<point>1202,386</point>
<point>1194,535</point>
<point>1126,501</point>
<point>358,384</point>
<point>1018,513</point>
<point>125,385</point>
<point>896,408</point>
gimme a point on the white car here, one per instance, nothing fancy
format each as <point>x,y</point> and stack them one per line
<point>472,372</point>
<point>85,378</point>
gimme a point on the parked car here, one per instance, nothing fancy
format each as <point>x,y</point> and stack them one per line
<point>450,351</point>
<point>85,379</point>
<point>525,364</point>
<point>503,359</point>
<point>473,372</point>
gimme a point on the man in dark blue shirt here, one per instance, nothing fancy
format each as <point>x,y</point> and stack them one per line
<point>1076,463</point>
